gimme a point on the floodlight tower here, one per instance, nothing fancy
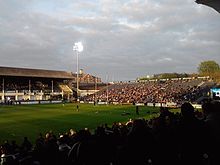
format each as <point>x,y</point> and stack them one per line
<point>77,47</point>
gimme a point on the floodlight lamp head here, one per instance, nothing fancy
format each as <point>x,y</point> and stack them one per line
<point>78,47</point>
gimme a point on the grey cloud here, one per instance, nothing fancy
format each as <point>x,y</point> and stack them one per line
<point>124,39</point>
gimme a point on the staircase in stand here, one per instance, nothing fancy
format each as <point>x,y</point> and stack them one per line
<point>65,88</point>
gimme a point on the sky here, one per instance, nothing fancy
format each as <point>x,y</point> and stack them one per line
<point>122,39</point>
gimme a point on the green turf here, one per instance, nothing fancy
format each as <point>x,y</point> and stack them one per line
<point>17,121</point>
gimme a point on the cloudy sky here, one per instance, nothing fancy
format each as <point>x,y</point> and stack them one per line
<point>123,39</point>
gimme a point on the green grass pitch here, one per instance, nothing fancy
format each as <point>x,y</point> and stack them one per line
<point>17,121</point>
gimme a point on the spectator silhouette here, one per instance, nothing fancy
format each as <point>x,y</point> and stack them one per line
<point>64,148</point>
<point>39,149</point>
<point>165,132</point>
<point>26,145</point>
<point>139,146</point>
<point>83,151</point>
<point>192,136</point>
<point>212,120</point>
<point>51,149</point>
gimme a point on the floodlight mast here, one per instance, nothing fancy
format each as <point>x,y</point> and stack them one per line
<point>78,47</point>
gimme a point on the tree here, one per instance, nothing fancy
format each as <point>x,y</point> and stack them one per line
<point>208,67</point>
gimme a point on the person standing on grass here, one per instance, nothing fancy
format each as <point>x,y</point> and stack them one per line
<point>77,108</point>
<point>63,102</point>
<point>137,110</point>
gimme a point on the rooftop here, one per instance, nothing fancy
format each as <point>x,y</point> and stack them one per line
<point>27,72</point>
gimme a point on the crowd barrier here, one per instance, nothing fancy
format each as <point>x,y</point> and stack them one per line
<point>168,104</point>
<point>38,102</point>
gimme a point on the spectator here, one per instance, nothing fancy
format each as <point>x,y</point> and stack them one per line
<point>212,120</point>
<point>139,145</point>
<point>192,135</point>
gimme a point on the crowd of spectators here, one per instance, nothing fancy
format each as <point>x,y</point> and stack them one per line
<point>151,91</point>
<point>172,138</point>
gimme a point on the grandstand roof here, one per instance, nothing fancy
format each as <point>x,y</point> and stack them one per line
<point>26,72</point>
<point>215,4</point>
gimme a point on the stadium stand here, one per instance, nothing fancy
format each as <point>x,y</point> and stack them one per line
<point>24,85</point>
<point>160,91</point>
<point>21,84</point>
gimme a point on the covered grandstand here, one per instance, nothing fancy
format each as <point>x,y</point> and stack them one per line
<point>24,85</point>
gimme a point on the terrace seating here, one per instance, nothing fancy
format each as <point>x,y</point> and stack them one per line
<point>157,91</point>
